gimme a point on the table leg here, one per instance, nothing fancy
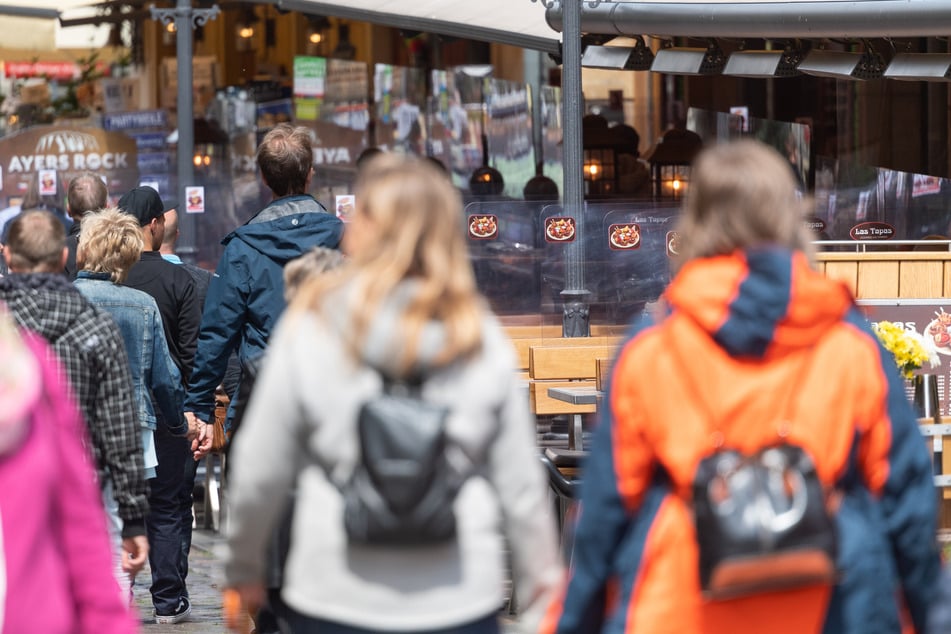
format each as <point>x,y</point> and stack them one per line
<point>576,433</point>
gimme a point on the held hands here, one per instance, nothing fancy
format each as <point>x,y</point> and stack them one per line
<point>201,438</point>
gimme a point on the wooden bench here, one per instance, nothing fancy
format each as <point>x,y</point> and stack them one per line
<point>564,365</point>
<point>604,367</point>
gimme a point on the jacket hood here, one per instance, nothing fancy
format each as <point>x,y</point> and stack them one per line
<point>288,227</point>
<point>385,344</point>
<point>759,301</point>
<point>46,303</point>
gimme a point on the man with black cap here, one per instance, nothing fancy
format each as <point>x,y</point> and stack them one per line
<point>174,291</point>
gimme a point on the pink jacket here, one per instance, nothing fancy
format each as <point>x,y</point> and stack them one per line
<point>55,560</point>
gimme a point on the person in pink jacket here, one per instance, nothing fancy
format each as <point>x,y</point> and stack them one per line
<point>55,559</point>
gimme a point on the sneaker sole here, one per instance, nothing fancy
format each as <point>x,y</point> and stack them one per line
<point>174,618</point>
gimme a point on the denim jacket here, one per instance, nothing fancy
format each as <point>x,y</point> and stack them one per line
<point>153,372</point>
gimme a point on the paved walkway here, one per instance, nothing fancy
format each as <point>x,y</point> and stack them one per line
<point>204,578</point>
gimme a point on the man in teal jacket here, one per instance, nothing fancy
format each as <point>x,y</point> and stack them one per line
<point>246,294</point>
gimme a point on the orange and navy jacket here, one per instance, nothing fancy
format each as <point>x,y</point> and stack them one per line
<point>744,333</point>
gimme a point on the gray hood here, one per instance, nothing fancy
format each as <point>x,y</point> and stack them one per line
<point>385,343</point>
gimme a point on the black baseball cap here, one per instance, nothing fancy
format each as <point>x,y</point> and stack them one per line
<point>144,203</point>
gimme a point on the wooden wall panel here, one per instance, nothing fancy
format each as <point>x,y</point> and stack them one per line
<point>891,274</point>
<point>946,286</point>
<point>920,279</point>
<point>847,272</point>
<point>877,280</point>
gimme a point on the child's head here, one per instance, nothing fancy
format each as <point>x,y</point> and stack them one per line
<point>308,266</point>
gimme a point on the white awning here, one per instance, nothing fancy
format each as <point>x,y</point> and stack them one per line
<point>33,25</point>
<point>765,18</point>
<point>517,22</point>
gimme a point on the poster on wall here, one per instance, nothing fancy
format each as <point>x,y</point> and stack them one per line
<point>400,97</point>
<point>439,128</point>
<point>550,98</point>
<point>47,182</point>
<point>195,200</point>
<point>348,88</point>
<point>930,318</point>
<point>509,131</point>
<point>310,75</point>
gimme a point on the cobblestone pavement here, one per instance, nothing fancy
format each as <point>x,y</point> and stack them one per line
<point>204,576</point>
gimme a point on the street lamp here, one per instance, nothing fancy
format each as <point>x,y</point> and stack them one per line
<point>185,19</point>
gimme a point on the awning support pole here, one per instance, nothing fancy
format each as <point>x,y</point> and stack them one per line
<point>575,317</point>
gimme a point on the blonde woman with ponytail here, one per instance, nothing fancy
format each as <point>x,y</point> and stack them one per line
<point>405,306</point>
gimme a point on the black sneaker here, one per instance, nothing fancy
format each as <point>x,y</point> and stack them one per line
<point>181,614</point>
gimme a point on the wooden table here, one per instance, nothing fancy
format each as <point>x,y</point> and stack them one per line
<point>576,396</point>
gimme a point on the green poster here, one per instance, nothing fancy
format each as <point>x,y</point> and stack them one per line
<point>310,74</point>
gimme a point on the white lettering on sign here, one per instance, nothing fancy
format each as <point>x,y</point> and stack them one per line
<point>92,161</point>
<point>328,155</point>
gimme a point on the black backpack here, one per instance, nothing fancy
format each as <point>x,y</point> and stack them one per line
<point>408,472</point>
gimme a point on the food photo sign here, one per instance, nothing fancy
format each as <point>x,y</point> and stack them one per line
<point>929,318</point>
<point>560,229</point>
<point>483,226</point>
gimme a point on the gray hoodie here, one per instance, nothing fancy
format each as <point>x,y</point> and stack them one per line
<point>300,425</point>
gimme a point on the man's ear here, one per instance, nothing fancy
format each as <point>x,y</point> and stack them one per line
<point>63,259</point>
<point>6,256</point>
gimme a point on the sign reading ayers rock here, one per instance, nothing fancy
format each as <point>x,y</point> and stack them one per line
<point>69,151</point>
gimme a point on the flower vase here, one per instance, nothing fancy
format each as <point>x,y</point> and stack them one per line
<point>925,401</point>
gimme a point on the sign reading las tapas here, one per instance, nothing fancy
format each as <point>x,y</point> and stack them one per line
<point>68,151</point>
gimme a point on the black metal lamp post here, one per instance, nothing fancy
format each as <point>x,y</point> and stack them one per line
<point>575,318</point>
<point>186,19</point>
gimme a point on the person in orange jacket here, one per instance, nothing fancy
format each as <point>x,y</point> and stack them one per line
<point>749,331</point>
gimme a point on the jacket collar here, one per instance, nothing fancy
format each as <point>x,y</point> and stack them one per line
<point>90,275</point>
<point>760,300</point>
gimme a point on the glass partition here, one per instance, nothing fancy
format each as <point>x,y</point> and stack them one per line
<point>863,203</point>
<point>792,140</point>
<point>526,254</point>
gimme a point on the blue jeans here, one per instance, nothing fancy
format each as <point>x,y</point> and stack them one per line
<point>164,524</point>
<point>297,623</point>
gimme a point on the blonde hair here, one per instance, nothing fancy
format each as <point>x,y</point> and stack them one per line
<point>741,194</point>
<point>416,215</point>
<point>111,242</point>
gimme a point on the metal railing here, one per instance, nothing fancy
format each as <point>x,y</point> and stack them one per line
<point>862,246</point>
